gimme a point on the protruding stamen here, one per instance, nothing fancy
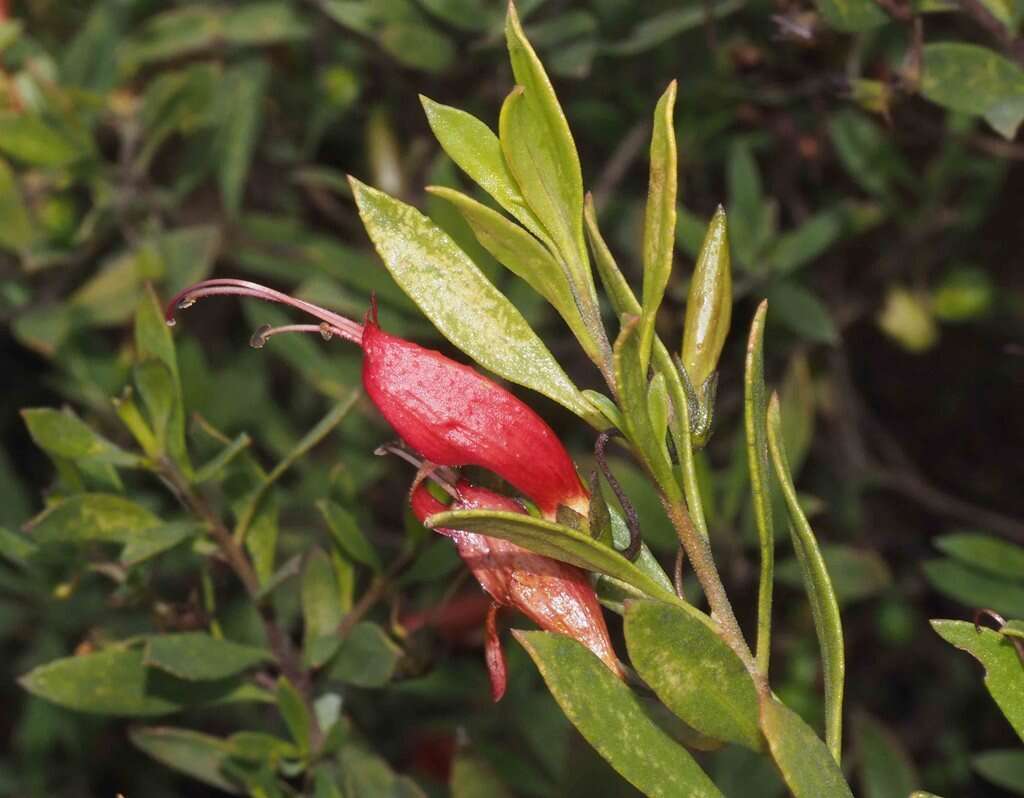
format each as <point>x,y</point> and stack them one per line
<point>259,338</point>
<point>326,331</point>
<point>632,551</point>
<point>445,478</point>
<point>335,323</point>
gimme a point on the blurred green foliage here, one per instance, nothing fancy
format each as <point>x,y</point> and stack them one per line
<point>872,181</point>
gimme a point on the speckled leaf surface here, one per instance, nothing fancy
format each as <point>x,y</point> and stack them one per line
<point>805,761</point>
<point>613,721</point>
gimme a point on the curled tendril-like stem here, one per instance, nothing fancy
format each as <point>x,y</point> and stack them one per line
<point>677,572</point>
<point>985,612</point>
<point>632,551</point>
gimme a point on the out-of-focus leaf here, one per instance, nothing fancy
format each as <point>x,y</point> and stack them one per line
<point>242,111</point>
<point>15,547</point>
<point>751,215</point>
<point>294,712</point>
<point>820,593</point>
<point>986,552</point>
<point>693,672</point>
<point>906,318</point>
<point>659,28</point>
<point>802,312</point>
<point>797,248</point>
<point>321,612</point>
<point>856,573</point>
<point>797,400</point>
<point>261,539</point>
<point>117,682</point>
<point>964,294</point>
<point>659,219</point>
<point>183,256</point>
<point>367,658</point>
<point>15,225</point>
<point>63,434</point>
<point>348,535</point>
<point>806,763</point>
<point>453,293</point>
<point>91,516</point>
<point>468,15</point>
<point>1004,672</point>
<point>173,33</point>
<point>196,656</point>
<point>263,23</point>
<point>367,775</point>
<point>976,588</point>
<point>198,755</point>
<point>974,80</point>
<point>886,770</point>
<point>473,777</point>
<point>866,152</point>
<point>153,339</point>
<point>417,46</point>
<point>552,540</point>
<point>852,16</point>
<point>147,543</point>
<point>600,706</point>
<point>1003,768</point>
<point>34,141</point>
<point>755,410</point>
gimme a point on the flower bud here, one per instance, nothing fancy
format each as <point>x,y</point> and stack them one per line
<point>708,306</point>
<point>556,596</point>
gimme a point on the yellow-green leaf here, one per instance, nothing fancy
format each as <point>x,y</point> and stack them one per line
<point>805,762</point>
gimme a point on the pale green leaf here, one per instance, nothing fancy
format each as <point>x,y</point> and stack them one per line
<point>806,763</point>
<point>91,516</point>
<point>196,656</point>
<point>193,753</point>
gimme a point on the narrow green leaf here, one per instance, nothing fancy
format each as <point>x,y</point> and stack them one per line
<point>798,248</point>
<point>477,151</point>
<point>659,218</point>
<point>32,140</point>
<point>631,380</point>
<point>523,255</point>
<point>473,777</point>
<point>619,293</point>
<point>63,434</point>
<point>1004,672</point>
<point>156,386</point>
<point>802,312</point>
<point>857,573</point>
<point>1003,768</point>
<point>547,167</point>
<point>348,535</point>
<point>986,552</point>
<point>658,411</point>
<point>755,410</point>
<point>116,682</point>
<point>554,540</point>
<point>294,712</point>
<point>321,612</point>
<point>15,225</point>
<point>15,547</point>
<point>91,516</point>
<point>613,721</point>
<point>241,106</point>
<point>196,656</point>
<point>264,23</point>
<point>661,27</point>
<point>807,766</point>
<point>886,770</point>
<point>453,293</point>
<point>214,468</point>
<point>193,753</point>
<point>147,543</point>
<point>693,672</point>
<point>750,214</point>
<point>367,658</point>
<point>153,340</point>
<point>817,584</point>
<point>976,588</point>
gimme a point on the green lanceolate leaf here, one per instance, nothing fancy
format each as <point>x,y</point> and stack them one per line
<point>294,712</point>
<point>985,552</point>
<point>975,587</point>
<point>63,434</point>
<point>348,536</point>
<point>321,611</point>
<point>1004,768</point>
<point>243,89</point>
<point>619,293</point>
<point>611,718</point>
<point>453,293</point>
<point>556,541</point>
<point>525,257</point>
<point>631,380</point>
<point>367,658</point>
<point>477,151</point>
<point>196,656</point>
<point>15,225</point>
<point>659,218</point>
<point>805,762</point>
<point>755,410</point>
<point>117,682</point>
<point>193,753</point>
<point>91,516</point>
<point>817,584</point>
<point>153,340</point>
<point>693,672</point>
<point>1004,672</point>
<point>885,768</point>
<point>546,166</point>
<point>708,306</point>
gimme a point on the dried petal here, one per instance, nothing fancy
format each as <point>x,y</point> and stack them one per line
<point>494,656</point>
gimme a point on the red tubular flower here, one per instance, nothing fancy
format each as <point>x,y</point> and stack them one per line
<point>556,596</point>
<point>449,413</point>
